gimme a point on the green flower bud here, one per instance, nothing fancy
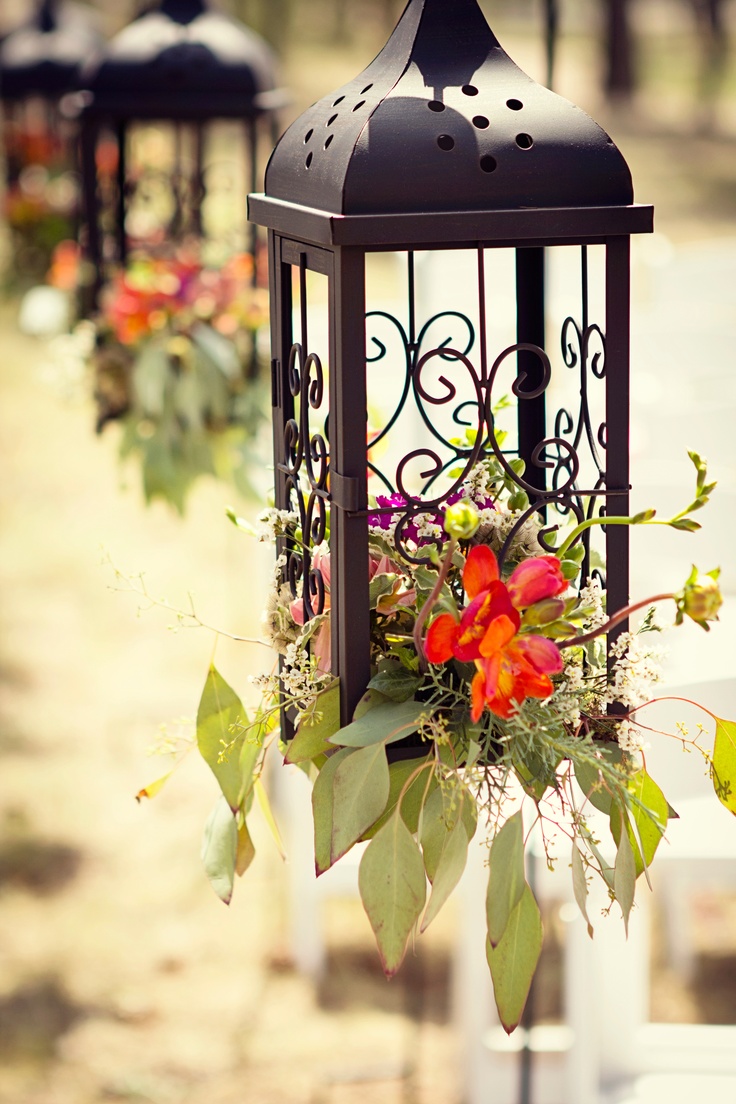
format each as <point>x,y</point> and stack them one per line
<point>700,598</point>
<point>544,612</point>
<point>461,520</point>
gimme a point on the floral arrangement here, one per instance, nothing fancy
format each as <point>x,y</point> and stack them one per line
<point>41,199</point>
<point>174,358</point>
<point>503,696</point>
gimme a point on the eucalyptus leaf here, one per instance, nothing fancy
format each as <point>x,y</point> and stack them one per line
<point>265,804</point>
<point>395,682</point>
<point>723,766</point>
<point>314,730</point>
<point>393,889</point>
<point>382,725</point>
<point>649,813</point>
<point>604,866</point>
<point>506,879</point>
<point>369,701</point>
<point>220,849</point>
<point>442,812</point>
<point>580,885</point>
<point>449,870</point>
<point>245,852</point>
<point>322,801</point>
<point>624,877</point>
<point>360,789</point>
<point>590,778</point>
<point>219,710</point>
<point>416,793</point>
<point>514,960</point>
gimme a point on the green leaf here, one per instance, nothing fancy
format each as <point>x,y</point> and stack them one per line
<point>686,525</point>
<point>723,765</point>
<point>590,778</point>
<point>245,852</point>
<point>265,804</point>
<point>514,960</point>
<point>442,812</point>
<point>449,869</point>
<point>506,880</point>
<point>369,701</point>
<point>393,889</point>
<point>413,800</point>
<point>624,877</point>
<point>360,789</point>
<point>379,586</point>
<point>647,830</point>
<point>322,801</point>
<point>603,865</point>
<point>383,724</point>
<point>395,682</point>
<point>314,730</point>
<point>220,849</point>
<point>580,885</point>
<point>219,709</point>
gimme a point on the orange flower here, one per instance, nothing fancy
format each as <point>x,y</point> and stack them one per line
<point>511,667</point>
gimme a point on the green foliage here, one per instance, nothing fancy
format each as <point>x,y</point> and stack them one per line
<point>315,728</point>
<point>514,960</point>
<point>360,788</point>
<point>383,724</point>
<point>220,710</point>
<point>393,889</point>
<point>723,765</point>
<point>506,879</point>
<point>220,850</point>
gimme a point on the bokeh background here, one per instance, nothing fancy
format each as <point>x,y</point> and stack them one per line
<point>122,977</point>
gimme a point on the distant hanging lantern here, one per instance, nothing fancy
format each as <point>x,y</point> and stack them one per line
<point>444,153</point>
<point>151,157</point>
<point>38,68</point>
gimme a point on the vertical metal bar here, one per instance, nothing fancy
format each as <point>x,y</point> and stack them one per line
<point>282,401</point>
<point>348,458</point>
<point>198,191</point>
<point>617,422</point>
<point>482,321</point>
<point>251,134</point>
<point>90,288</point>
<point>530,329</point>
<point>120,214</point>
<point>411,287</point>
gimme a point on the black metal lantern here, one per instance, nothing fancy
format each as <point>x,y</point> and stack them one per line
<point>443,152</point>
<point>39,62</point>
<point>186,65</point>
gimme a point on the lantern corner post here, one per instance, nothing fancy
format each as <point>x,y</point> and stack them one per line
<point>618,383</point>
<point>349,479</point>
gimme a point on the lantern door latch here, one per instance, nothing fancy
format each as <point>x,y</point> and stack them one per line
<point>345,493</point>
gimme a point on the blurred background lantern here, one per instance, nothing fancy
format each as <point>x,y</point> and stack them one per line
<point>39,61</point>
<point>156,168</point>
<point>445,172</point>
<point>175,113</point>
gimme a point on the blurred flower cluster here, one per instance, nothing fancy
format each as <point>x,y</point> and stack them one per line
<point>175,359</point>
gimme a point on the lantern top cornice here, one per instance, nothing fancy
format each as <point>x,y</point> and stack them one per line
<point>182,59</point>
<point>443,121</point>
<point>43,55</point>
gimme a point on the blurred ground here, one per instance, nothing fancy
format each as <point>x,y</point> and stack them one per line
<point>121,976</point>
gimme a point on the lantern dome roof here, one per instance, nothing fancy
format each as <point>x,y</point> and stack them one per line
<point>43,55</point>
<point>182,59</point>
<point>443,120</point>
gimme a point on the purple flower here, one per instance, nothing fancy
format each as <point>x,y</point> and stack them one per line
<point>390,508</point>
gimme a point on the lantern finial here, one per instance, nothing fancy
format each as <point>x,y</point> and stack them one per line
<point>443,120</point>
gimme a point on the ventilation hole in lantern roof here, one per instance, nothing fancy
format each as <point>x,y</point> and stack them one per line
<point>480,122</point>
<point>329,139</point>
<point>308,162</point>
<point>446,142</point>
<point>469,90</point>
<point>359,105</point>
<point>331,119</point>
<point>488,163</point>
<point>515,105</point>
<point>436,105</point>
<point>366,89</point>
<point>338,101</point>
<point>524,141</point>
<point>308,135</point>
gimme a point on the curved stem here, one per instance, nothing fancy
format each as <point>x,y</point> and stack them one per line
<point>613,621</point>
<point>430,603</point>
